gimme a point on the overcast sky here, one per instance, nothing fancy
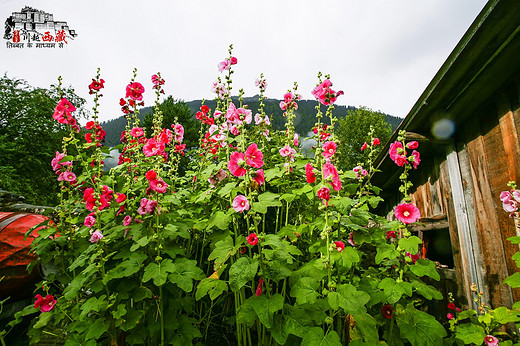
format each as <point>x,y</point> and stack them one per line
<point>381,53</point>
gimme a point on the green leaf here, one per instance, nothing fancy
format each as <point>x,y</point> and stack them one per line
<point>394,290</point>
<point>346,258</point>
<point>223,250</point>
<point>386,251</point>
<point>270,199</point>
<point>288,197</point>
<point>367,326</point>
<point>316,337</point>
<point>43,320</point>
<point>184,272</point>
<point>424,267</point>
<point>427,291</point>
<point>410,244</point>
<point>470,333</point>
<point>140,243</point>
<point>158,272</point>
<point>420,328</point>
<point>226,189</point>
<point>220,220</point>
<point>120,312</point>
<point>173,231</point>
<point>241,272</point>
<point>93,304</point>
<point>211,286</point>
<point>465,314</point>
<point>265,308</point>
<point>126,268</point>
<point>513,280</point>
<point>272,173</point>
<point>305,290</point>
<point>246,314</point>
<point>349,299</point>
<point>131,319</point>
<point>280,249</point>
<point>503,315</point>
<point>96,329</point>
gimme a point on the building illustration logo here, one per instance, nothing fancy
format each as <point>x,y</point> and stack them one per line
<point>31,28</point>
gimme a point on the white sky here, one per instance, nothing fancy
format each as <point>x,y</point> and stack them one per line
<point>381,53</point>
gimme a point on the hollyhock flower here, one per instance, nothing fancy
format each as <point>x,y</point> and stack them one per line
<point>233,60</point>
<point>360,172</point>
<point>153,147</point>
<point>258,119</point>
<point>96,86</point>
<point>339,245</point>
<point>254,156</point>
<point>236,163</point>
<point>413,257</point>
<point>287,151</point>
<point>415,158</point>
<point>325,94</point>
<point>147,207</point>
<point>120,197</point>
<point>135,91</point>
<point>234,130</point>
<point>252,239</point>
<point>391,234</point>
<point>490,340</point>
<point>450,316</point>
<point>397,153</point>
<point>137,132</point>
<point>505,196</point>
<point>407,213</point>
<point>89,221</point>
<point>259,177</point>
<point>364,146</point>
<point>55,163</point>
<point>151,174</point>
<point>510,206</point>
<point>127,220</point>
<point>295,140</point>
<point>324,194</point>
<point>309,173</point>
<point>329,149</point>
<point>451,306</point>
<point>330,171</point>
<point>386,311</point>
<point>224,65</point>
<point>259,287</point>
<point>240,203</point>
<point>90,125</point>
<point>412,145</point>
<point>516,195</point>
<point>156,80</point>
<point>351,239</point>
<point>221,174</point>
<point>67,176</point>
<point>64,107</point>
<point>45,304</point>
<point>376,141</point>
<point>179,132</point>
<point>243,250</point>
<point>96,237</point>
<point>245,115</point>
<point>158,185</point>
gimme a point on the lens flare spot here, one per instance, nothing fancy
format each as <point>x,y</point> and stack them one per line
<point>443,129</point>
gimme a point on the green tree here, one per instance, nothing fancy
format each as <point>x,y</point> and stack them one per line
<point>353,132</point>
<point>29,139</point>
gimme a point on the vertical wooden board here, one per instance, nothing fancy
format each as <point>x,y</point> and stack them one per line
<point>509,138</point>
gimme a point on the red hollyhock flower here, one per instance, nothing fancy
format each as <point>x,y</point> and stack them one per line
<point>376,141</point>
<point>135,91</point>
<point>451,306</point>
<point>329,149</point>
<point>236,163</point>
<point>45,304</point>
<point>204,109</point>
<point>309,173</point>
<point>259,177</point>
<point>252,239</point>
<point>364,146</point>
<point>96,85</point>
<point>259,287</point>
<point>151,174</point>
<point>386,311</point>
<point>254,156</point>
<point>412,145</point>
<point>339,245</point>
<point>90,125</point>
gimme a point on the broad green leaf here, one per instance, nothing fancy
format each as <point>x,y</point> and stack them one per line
<point>140,243</point>
<point>93,304</point>
<point>220,220</point>
<point>173,231</point>
<point>367,326</point>
<point>465,314</point>
<point>410,244</point>
<point>288,197</point>
<point>126,268</point>
<point>514,240</point>
<point>305,290</point>
<point>394,290</point>
<point>346,258</point>
<point>424,267</point>
<point>470,333</point>
<point>272,173</point>
<point>211,286</point>
<point>96,329</point>
<point>270,199</point>
<point>420,328</point>
<point>120,312</point>
<point>158,272</point>
<point>349,299</point>
<point>427,291</point>
<point>280,249</point>
<point>241,272</point>
<point>246,314</point>
<point>316,337</point>
<point>223,250</point>
<point>184,272</point>
<point>43,320</point>
<point>226,189</point>
<point>503,315</point>
<point>266,307</point>
<point>386,251</point>
<point>513,280</point>
<point>131,319</point>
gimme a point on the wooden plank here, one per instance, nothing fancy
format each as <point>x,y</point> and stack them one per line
<point>469,245</point>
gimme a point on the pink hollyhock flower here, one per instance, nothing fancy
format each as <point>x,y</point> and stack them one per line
<point>329,149</point>
<point>67,176</point>
<point>490,340</point>
<point>120,197</point>
<point>416,159</point>
<point>324,194</point>
<point>147,207</point>
<point>224,65</point>
<point>151,174</point>
<point>450,316</point>
<point>252,239</point>
<point>55,163</point>
<point>505,196</point>
<point>90,125</point>
<point>376,141</point>
<point>245,115</point>
<point>413,257</point>
<point>325,94</point>
<point>240,203</point>
<point>267,121</point>
<point>221,175</point>
<point>258,119</point>
<point>339,245</point>
<point>510,206</point>
<point>330,173</point>
<point>179,132</point>
<point>156,80</point>
<point>360,172</point>
<point>127,220</point>
<point>158,185</point>
<point>259,287</point>
<point>412,145</point>
<point>254,156</point>
<point>137,132</point>
<point>397,153</point>
<point>64,106</point>
<point>96,237</point>
<point>45,304</point>
<point>153,147</point>
<point>407,213</point>
<point>516,195</point>
<point>295,140</point>
<point>287,151</point>
<point>259,177</point>
<point>236,164</point>
<point>351,239</point>
<point>234,130</point>
<point>135,91</point>
<point>309,173</point>
<point>89,221</point>
<point>364,146</point>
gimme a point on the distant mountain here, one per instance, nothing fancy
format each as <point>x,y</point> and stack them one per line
<point>303,123</point>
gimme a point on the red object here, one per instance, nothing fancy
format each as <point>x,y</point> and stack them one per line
<point>14,253</point>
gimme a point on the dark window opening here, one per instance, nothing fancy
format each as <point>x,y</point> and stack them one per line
<point>437,246</point>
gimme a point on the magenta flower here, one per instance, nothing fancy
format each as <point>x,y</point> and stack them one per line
<point>96,237</point>
<point>156,80</point>
<point>137,132</point>
<point>505,196</point>
<point>450,316</point>
<point>412,145</point>
<point>120,197</point>
<point>516,195</point>
<point>179,132</point>
<point>376,141</point>
<point>391,234</point>
<point>236,164</point>
<point>364,146</point>
<point>45,304</point>
<point>158,185</point>
<point>510,206</point>
<point>153,147</point>
<point>240,203</point>
<point>397,153</point>
<point>127,220</point>
<point>360,172</point>
<point>287,151</point>
<point>324,194</point>
<point>55,163</point>
<point>329,149</point>
<point>407,213</point>
<point>252,239</point>
<point>224,65</point>
<point>330,173</point>
<point>254,156</point>
<point>351,239</point>
<point>135,91</point>
<point>147,206</point>
<point>325,94</point>
<point>233,60</point>
<point>89,221</point>
<point>339,245</point>
<point>415,158</point>
<point>259,177</point>
<point>259,287</point>
<point>490,340</point>
<point>67,176</point>
<point>309,173</point>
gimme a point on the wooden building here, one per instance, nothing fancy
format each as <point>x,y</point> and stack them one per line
<point>468,124</point>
